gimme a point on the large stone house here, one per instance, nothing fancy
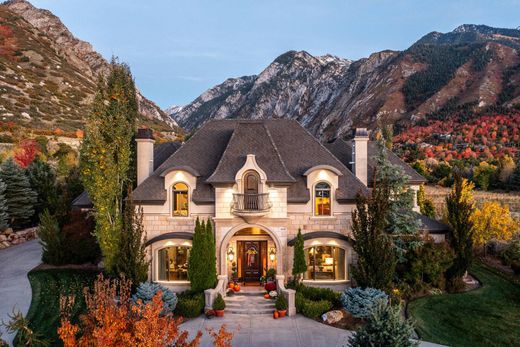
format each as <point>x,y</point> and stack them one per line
<point>258,182</point>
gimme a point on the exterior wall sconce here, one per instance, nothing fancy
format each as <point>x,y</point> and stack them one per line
<point>272,254</point>
<point>231,254</point>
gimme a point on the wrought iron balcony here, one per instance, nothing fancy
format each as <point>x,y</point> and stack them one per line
<point>251,204</point>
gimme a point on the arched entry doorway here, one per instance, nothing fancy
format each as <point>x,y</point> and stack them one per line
<point>248,251</point>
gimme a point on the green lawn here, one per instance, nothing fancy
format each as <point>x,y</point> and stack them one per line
<point>47,287</point>
<point>488,316</point>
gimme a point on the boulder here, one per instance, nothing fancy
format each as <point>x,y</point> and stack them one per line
<point>3,238</point>
<point>8,231</point>
<point>332,317</point>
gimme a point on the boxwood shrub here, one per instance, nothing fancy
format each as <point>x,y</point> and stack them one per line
<point>310,308</point>
<point>190,304</point>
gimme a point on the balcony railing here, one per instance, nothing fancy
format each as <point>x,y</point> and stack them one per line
<point>251,203</point>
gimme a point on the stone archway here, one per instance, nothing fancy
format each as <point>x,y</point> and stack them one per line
<point>222,251</point>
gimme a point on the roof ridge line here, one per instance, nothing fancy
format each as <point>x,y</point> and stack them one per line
<point>223,153</point>
<point>277,152</point>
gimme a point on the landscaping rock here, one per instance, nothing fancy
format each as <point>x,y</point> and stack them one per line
<point>8,231</point>
<point>333,317</point>
<point>3,238</point>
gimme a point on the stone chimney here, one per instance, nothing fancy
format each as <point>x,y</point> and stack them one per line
<point>360,155</point>
<point>145,142</point>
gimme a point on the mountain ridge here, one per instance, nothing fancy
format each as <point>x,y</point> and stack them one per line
<point>473,66</point>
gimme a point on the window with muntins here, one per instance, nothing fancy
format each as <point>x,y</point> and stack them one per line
<point>173,263</point>
<point>180,200</point>
<point>322,199</point>
<point>325,263</point>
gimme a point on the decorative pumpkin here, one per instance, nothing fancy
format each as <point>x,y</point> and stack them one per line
<point>266,296</point>
<point>275,314</point>
<point>231,286</point>
<point>237,287</point>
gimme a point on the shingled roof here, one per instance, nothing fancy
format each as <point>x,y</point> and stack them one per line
<point>343,150</point>
<point>282,148</point>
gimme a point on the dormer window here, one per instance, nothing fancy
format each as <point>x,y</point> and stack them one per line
<point>322,201</point>
<point>251,181</point>
<point>180,200</point>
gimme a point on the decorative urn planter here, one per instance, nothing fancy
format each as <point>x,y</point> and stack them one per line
<point>282,313</point>
<point>219,313</point>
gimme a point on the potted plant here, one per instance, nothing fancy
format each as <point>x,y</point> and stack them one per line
<point>219,305</point>
<point>270,275</point>
<point>281,305</point>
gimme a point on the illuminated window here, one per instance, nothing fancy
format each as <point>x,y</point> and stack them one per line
<point>180,200</point>
<point>322,199</point>
<point>325,263</point>
<point>173,263</point>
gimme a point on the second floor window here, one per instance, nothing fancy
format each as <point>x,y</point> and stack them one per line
<point>322,199</point>
<point>180,200</point>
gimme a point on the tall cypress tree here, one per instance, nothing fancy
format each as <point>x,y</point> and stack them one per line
<point>459,208</point>
<point>299,264</point>
<point>106,155</point>
<point>212,256</point>
<point>19,196</point>
<point>3,207</point>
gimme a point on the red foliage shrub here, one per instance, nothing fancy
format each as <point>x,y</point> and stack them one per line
<point>25,152</point>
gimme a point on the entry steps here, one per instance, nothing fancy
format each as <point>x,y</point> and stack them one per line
<point>249,302</point>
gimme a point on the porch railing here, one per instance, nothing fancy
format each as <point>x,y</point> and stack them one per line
<point>251,203</point>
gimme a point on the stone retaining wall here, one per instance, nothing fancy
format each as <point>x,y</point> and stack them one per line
<point>9,238</point>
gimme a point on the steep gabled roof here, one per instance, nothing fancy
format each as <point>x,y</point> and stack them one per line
<point>343,151</point>
<point>282,148</point>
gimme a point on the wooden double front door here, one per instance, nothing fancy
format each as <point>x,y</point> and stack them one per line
<point>252,260</point>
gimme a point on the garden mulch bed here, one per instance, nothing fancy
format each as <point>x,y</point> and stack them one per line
<point>348,322</point>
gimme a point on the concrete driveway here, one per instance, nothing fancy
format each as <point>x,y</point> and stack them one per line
<point>15,290</point>
<point>264,331</point>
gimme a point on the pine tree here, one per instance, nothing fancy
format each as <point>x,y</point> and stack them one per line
<point>402,223</point>
<point>106,155</point>
<point>459,209</point>
<point>196,262</point>
<point>43,181</point>
<point>299,264</point>
<point>131,259</point>
<point>52,240</point>
<point>4,217</point>
<point>19,196</point>
<point>375,250</point>
<point>212,255</point>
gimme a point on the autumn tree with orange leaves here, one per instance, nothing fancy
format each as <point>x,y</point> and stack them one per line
<point>114,319</point>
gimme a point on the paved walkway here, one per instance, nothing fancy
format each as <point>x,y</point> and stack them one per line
<point>15,290</point>
<point>264,331</point>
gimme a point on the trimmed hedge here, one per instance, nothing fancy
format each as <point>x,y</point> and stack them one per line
<point>190,304</point>
<point>317,294</point>
<point>310,308</point>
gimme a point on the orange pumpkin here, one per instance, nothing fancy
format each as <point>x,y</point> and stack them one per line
<point>231,286</point>
<point>237,287</point>
<point>266,296</point>
<point>275,314</point>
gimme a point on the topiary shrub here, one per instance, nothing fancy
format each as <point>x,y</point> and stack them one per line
<point>360,301</point>
<point>189,304</point>
<point>219,303</point>
<point>385,327</point>
<point>147,290</point>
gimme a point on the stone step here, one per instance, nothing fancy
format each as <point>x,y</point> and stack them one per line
<point>250,311</point>
<point>249,304</point>
<point>250,293</point>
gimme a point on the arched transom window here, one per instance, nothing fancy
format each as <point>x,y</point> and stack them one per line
<point>180,200</point>
<point>322,202</point>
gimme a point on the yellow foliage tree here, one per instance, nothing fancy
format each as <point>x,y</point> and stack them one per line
<point>492,221</point>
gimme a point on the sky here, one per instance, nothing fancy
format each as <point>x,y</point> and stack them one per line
<point>179,49</point>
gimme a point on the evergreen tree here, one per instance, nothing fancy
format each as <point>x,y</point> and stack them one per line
<point>211,254</point>
<point>197,266</point>
<point>52,240</point>
<point>19,196</point>
<point>375,250</point>
<point>4,217</point>
<point>425,203</point>
<point>459,209</point>
<point>106,155</point>
<point>385,328</point>
<point>43,181</point>
<point>299,264</point>
<point>131,259</point>
<point>402,223</point>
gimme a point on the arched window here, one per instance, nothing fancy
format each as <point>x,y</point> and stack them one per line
<point>173,263</point>
<point>180,200</point>
<point>251,181</point>
<point>325,263</point>
<point>322,199</point>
